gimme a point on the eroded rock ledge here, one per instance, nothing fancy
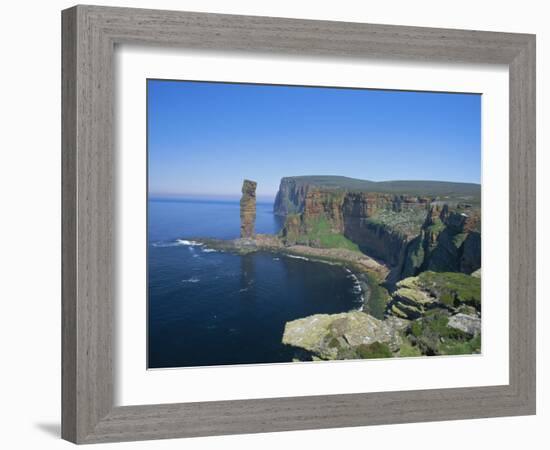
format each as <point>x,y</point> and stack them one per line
<point>432,314</point>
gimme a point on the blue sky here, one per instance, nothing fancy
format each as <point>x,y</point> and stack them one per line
<point>205,138</point>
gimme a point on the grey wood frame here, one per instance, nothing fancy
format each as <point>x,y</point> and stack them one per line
<point>89,36</point>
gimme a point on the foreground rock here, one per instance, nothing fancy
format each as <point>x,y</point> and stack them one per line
<point>248,209</point>
<point>477,273</point>
<point>439,334</point>
<point>444,310</point>
<point>453,292</point>
<point>468,324</point>
<point>343,336</point>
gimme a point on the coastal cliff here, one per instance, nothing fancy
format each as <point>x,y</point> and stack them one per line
<point>293,190</point>
<point>290,197</point>
<point>415,255</point>
<point>410,231</point>
<point>449,241</point>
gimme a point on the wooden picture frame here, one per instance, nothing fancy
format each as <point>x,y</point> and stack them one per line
<point>90,34</point>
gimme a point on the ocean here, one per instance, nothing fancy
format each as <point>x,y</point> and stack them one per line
<point>209,307</point>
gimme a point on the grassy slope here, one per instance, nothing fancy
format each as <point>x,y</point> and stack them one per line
<point>320,232</point>
<point>453,288</point>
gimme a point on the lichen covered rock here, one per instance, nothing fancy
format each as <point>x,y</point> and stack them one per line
<point>342,336</point>
<point>454,292</point>
<point>466,323</point>
<point>433,335</point>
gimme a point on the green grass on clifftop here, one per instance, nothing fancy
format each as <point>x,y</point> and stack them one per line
<point>444,190</point>
<point>453,288</point>
<point>321,234</point>
<point>408,221</point>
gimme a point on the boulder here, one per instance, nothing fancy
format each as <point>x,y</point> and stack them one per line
<point>328,336</point>
<point>466,323</point>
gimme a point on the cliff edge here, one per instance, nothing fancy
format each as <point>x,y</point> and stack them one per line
<point>412,226</point>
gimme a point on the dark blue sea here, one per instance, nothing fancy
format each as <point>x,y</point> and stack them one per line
<point>209,307</point>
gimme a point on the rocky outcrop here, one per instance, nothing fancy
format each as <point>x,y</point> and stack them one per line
<point>441,334</point>
<point>453,292</point>
<point>410,303</point>
<point>410,233</point>
<point>343,336</point>
<point>468,324</point>
<point>382,225</point>
<point>431,314</point>
<point>449,241</point>
<point>444,310</point>
<point>248,209</point>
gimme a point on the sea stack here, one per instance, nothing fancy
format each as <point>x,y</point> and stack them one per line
<point>248,209</point>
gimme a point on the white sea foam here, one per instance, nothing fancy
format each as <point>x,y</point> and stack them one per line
<point>164,244</point>
<point>189,243</point>
<point>298,257</point>
<point>353,277</point>
<point>191,280</point>
<point>209,250</point>
<point>177,243</point>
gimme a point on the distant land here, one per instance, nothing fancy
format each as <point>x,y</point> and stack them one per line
<point>443,189</point>
<point>410,187</point>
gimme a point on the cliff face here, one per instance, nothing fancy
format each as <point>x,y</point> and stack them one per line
<point>411,233</point>
<point>383,224</point>
<point>248,208</point>
<point>290,197</point>
<point>293,190</point>
<point>320,218</point>
<point>450,241</point>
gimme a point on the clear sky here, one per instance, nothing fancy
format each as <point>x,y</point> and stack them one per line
<point>205,138</point>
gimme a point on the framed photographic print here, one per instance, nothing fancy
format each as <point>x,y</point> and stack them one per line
<point>268,222</point>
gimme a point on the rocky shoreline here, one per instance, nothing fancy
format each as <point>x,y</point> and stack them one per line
<point>427,302</point>
<point>367,271</point>
<point>431,314</point>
